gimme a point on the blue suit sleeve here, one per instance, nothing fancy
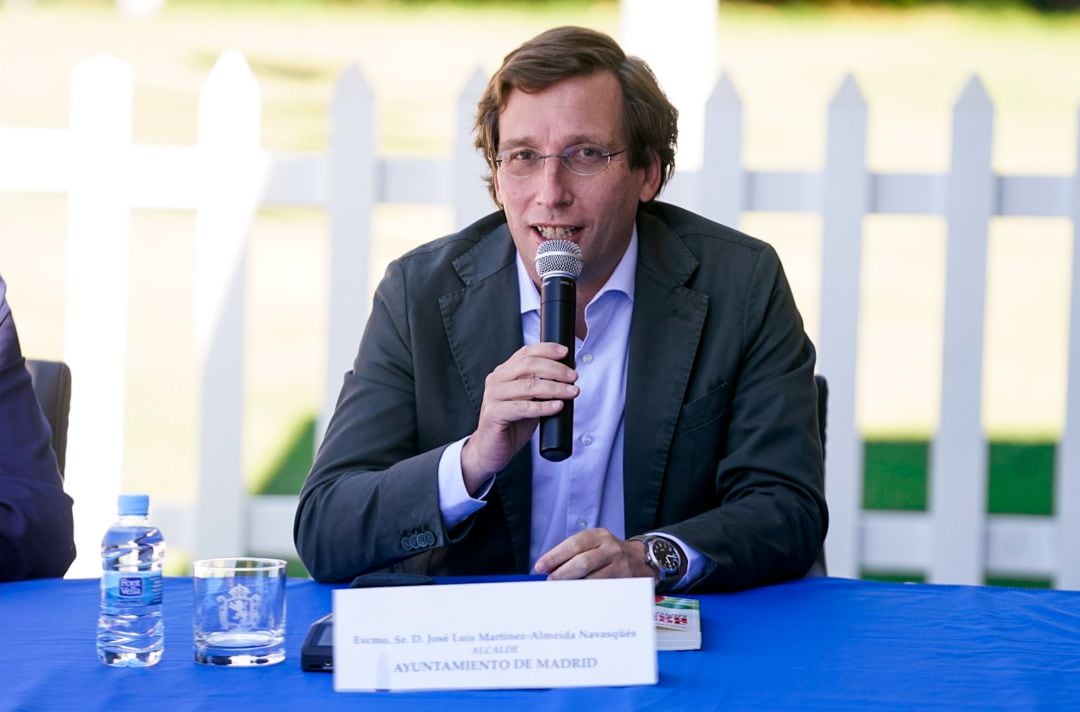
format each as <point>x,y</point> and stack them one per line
<point>36,533</point>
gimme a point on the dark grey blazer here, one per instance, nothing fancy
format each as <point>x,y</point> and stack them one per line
<point>721,439</point>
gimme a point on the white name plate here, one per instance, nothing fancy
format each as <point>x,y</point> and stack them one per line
<point>534,634</point>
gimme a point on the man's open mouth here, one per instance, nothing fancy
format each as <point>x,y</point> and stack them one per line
<point>551,232</point>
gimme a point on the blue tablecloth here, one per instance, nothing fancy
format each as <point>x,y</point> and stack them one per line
<point>816,643</point>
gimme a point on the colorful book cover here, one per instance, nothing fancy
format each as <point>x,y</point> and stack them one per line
<point>678,623</point>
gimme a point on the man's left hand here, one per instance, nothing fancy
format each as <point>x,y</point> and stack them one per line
<point>595,553</point>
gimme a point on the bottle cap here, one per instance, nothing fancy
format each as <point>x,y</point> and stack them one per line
<point>133,504</point>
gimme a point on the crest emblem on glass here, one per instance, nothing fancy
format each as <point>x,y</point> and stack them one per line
<point>239,611</point>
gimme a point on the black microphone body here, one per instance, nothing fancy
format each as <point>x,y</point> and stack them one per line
<point>558,314</point>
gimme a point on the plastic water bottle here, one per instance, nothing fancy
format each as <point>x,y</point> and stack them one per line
<point>130,629</point>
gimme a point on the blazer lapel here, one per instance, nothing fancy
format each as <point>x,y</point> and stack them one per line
<point>664,334</point>
<point>483,319</point>
<point>483,327</point>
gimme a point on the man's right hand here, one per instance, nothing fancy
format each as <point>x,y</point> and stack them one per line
<point>529,385</point>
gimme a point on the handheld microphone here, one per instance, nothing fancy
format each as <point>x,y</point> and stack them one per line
<point>558,263</point>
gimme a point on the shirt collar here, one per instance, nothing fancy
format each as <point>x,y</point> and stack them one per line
<point>621,280</point>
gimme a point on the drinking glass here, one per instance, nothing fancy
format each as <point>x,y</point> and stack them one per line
<point>239,611</point>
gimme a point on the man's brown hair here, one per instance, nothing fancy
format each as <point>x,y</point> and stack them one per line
<point>650,122</point>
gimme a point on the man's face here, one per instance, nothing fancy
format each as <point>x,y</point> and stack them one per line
<point>596,211</point>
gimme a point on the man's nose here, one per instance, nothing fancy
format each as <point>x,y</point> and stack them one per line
<point>554,188</point>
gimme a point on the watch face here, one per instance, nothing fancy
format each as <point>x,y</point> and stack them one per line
<point>666,555</point>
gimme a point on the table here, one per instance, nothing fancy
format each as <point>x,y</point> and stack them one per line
<point>820,643</point>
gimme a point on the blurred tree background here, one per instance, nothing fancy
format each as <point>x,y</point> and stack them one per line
<point>1040,5</point>
<point>1048,6</point>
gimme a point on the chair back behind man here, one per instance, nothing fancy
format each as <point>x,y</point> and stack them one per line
<point>52,386</point>
<point>818,568</point>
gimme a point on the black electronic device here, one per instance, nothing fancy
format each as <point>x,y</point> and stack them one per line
<point>317,652</point>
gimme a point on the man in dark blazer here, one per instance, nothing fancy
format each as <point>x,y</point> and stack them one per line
<point>710,474</point>
<point>36,538</point>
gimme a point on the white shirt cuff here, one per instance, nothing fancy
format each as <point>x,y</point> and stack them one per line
<point>455,503</point>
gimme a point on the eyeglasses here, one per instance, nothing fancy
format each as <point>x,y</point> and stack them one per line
<point>580,160</point>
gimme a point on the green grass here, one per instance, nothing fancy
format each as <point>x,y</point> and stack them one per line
<point>918,577</point>
<point>286,474</point>
<point>1018,582</point>
<point>894,576</point>
<point>894,474</point>
<point>1021,481</point>
<point>1021,476</point>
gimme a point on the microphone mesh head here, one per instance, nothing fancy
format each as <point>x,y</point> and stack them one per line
<point>558,257</point>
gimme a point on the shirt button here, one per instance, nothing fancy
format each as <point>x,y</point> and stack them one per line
<point>586,358</point>
<point>581,524</point>
<point>586,440</point>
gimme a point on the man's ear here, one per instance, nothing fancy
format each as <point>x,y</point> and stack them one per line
<point>651,185</point>
<point>495,186</point>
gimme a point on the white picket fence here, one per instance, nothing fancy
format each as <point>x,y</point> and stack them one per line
<point>227,176</point>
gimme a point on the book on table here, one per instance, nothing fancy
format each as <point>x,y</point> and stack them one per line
<point>678,623</point>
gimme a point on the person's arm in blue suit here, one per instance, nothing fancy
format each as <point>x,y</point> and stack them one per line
<point>36,534</point>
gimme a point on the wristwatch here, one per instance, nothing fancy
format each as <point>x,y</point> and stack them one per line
<point>665,557</point>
